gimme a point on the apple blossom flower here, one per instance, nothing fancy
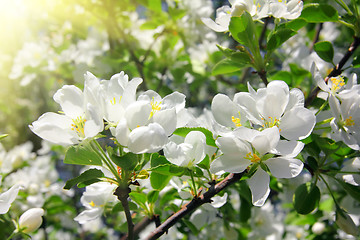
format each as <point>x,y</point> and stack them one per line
<point>80,119</point>
<point>149,121</point>
<point>244,147</point>
<point>289,9</point>
<point>346,120</point>
<point>256,8</point>
<point>188,153</point>
<point>278,106</point>
<point>336,85</point>
<point>31,220</point>
<point>94,199</point>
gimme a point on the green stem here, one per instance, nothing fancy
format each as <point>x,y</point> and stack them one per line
<point>322,107</point>
<point>12,235</point>
<point>328,187</point>
<point>193,181</point>
<point>96,146</point>
<point>349,172</point>
<point>344,6</point>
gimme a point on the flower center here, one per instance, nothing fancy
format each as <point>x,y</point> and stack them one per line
<point>78,126</point>
<point>155,106</point>
<point>271,122</point>
<point>113,101</point>
<point>253,157</point>
<point>337,83</point>
<point>236,121</point>
<point>349,122</point>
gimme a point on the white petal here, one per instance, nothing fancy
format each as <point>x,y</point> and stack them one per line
<point>219,201</point>
<point>259,186</point>
<point>8,197</point>
<point>147,139</point>
<point>55,128</point>
<point>214,26</point>
<point>174,100</point>
<point>282,167</point>
<point>288,148</point>
<point>266,140</point>
<point>224,109</point>
<point>176,153</point>
<point>167,119</point>
<point>121,133</point>
<point>297,123</point>
<point>71,100</point>
<point>197,140</point>
<point>88,215</point>
<point>137,114</point>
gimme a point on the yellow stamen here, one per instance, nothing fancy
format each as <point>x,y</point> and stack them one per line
<point>271,122</point>
<point>113,101</point>
<point>92,204</point>
<point>78,126</point>
<point>253,157</point>
<point>337,83</point>
<point>349,122</point>
<point>236,121</point>
<point>155,106</point>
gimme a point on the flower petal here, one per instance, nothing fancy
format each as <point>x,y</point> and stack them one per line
<point>259,186</point>
<point>282,167</point>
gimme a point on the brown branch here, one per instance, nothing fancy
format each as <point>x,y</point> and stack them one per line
<point>140,226</point>
<point>123,194</point>
<point>194,204</point>
<point>316,37</point>
<point>337,70</point>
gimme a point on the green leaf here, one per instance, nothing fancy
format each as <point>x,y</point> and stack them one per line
<point>296,24</point>
<point>352,190</point>
<point>306,198</point>
<point>208,134</point>
<point>325,51</point>
<point>225,66</point>
<point>168,169</point>
<point>82,155</point>
<point>242,58</point>
<point>127,162</point>
<point>316,13</point>
<point>205,163</point>
<point>158,181</point>
<point>88,175</point>
<point>139,198</point>
<point>282,75</point>
<point>118,207</point>
<point>152,196</point>
<point>243,30</point>
<point>191,226</point>
<point>88,182</point>
<point>279,37</point>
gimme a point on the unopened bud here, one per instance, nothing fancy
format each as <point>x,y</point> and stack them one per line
<point>318,228</point>
<point>31,220</point>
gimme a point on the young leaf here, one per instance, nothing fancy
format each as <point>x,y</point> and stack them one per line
<point>325,51</point>
<point>168,169</point>
<point>139,198</point>
<point>89,175</point>
<point>82,155</point>
<point>127,162</point>
<point>152,196</point>
<point>306,198</point>
<point>353,191</point>
<point>316,13</point>
<point>279,37</point>
<point>159,181</point>
<point>243,30</point>
<point>225,66</point>
<point>183,131</point>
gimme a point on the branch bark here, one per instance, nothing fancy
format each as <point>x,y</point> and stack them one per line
<point>194,204</point>
<point>337,70</point>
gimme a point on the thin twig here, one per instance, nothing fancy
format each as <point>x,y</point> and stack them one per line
<point>316,37</point>
<point>337,70</point>
<point>194,204</point>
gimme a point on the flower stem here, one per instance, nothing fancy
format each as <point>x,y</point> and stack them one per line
<point>193,181</point>
<point>331,193</point>
<point>123,194</point>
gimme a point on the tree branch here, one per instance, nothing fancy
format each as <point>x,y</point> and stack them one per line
<point>194,204</point>
<point>140,226</point>
<point>123,194</point>
<point>337,70</point>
